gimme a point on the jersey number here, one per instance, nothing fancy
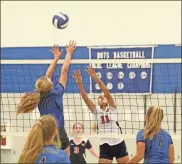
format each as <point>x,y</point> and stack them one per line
<point>105,119</point>
<point>43,160</point>
<point>46,102</point>
<point>76,150</point>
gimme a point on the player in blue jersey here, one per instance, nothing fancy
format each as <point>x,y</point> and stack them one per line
<point>40,146</point>
<point>48,96</point>
<point>154,144</point>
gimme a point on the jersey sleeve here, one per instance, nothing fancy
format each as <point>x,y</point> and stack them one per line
<point>139,137</point>
<point>170,140</point>
<point>59,89</point>
<point>88,145</point>
<point>113,109</point>
<point>97,110</point>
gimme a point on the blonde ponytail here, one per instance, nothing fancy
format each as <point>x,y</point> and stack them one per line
<point>33,145</point>
<point>42,132</point>
<point>28,102</point>
<point>153,122</point>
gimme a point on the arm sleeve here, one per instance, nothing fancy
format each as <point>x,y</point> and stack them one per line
<point>139,137</point>
<point>97,110</point>
<point>88,145</point>
<point>170,140</point>
<point>59,89</point>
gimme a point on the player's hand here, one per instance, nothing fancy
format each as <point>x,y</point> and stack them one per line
<point>71,47</point>
<point>77,76</point>
<point>55,50</point>
<point>91,72</point>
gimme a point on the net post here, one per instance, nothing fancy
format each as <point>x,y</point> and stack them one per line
<point>145,108</point>
<point>174,107</point>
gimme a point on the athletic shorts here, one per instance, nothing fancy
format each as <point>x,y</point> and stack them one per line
<point>63,138</point>
<point>109,152</point>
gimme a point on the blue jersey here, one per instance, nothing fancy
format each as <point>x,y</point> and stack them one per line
<point>51,154</point>
<point>53,104</point>
<point>156,150</point>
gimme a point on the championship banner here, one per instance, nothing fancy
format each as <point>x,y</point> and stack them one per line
<point>130,78</point>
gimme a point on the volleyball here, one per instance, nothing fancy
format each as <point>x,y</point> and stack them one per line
<point>60,20</point>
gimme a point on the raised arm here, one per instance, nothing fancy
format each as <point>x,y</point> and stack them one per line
<point>78,78</point>
<point>57,54</point>
<point>65,68</point>
<point>102,86</point>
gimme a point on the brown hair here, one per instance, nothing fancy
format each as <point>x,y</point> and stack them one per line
<point>29,101</point>
<point>154,118</point>
<point>43,131</point>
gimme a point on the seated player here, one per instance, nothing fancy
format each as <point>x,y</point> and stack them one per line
<point>106,117</point>
<point>40,146</point>
<point>153,143</point>
<point>49,97</point>
<point>78,146</point>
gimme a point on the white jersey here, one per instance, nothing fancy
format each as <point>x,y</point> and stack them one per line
<point>107,123</point>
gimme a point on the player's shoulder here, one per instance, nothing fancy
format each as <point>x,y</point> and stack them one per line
<point>58,87</point>
<point>70,139</point>
<point>85,140</point>
<point>98,110</point>
<point>62,153</point>
<point>140,132</point>
<point>112,109</point>
<point>164,132</point>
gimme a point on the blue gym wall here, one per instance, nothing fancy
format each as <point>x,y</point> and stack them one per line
<point>17,78</point>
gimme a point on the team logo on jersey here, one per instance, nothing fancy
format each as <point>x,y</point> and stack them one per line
<point>76,150</point>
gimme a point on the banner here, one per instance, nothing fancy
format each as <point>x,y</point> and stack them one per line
<point>132,78</point>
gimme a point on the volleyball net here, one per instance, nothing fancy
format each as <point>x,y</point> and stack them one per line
<point>135,84</point>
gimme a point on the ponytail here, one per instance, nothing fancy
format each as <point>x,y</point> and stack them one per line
<point>153,122</point>
<point>33,145</point>
<point>28,102</point>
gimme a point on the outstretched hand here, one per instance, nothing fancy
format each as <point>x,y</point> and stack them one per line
<point>91,72</point>
<point>56,51</point>
<point>71,47</point>
<point>77,76</point>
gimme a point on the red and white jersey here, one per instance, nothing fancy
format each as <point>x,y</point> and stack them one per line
<point>107,123</point>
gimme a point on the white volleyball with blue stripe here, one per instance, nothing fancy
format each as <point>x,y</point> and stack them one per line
<point>60,20</point>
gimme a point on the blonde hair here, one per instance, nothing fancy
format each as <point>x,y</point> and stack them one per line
<point>154,118</point>
<point>43,131</point>
<point>29,101</point>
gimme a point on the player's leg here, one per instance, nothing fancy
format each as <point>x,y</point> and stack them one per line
<point>105,154</point>
<point>122,160</point>
<point>65,144</point>
<point>103,160</point>
<point>121,153</point>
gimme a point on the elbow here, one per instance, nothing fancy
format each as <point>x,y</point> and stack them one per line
<point>64,70</point>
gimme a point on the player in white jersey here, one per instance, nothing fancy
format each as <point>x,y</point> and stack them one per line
<point>106,117</point>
